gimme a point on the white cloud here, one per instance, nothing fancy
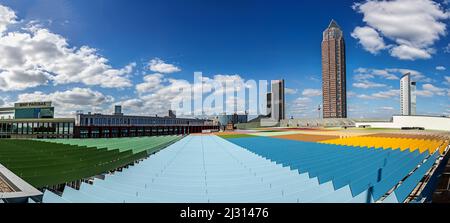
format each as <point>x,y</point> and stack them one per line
<point>7,17</point>
<point>416,75</point>
<point>412,25</point>
<point>424,93</point>
<point>312,92</point>
<point>441,68</point>
<point>290,91</point>
<point>34,56</point>
<point>381,95</point>
<point>447,78</point>
<point>387,108</point>
<point>151,82</point>
<point>369,39</point>
<point>299,107</point>
<point>387,94</point>
<point>351,94</point>
<point>132,104</point>
<point>405,52</point>
<point>157,93</point>
<point>364,74</point>
<point>159,66</point>
<point>429,90</point>
<point>368,84</point>
<point>67,102</point>
<point>447,48</point>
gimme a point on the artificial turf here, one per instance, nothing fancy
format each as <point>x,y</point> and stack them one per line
<point>236,136</point>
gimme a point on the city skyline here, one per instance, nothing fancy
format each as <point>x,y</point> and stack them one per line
<point>87,64</point>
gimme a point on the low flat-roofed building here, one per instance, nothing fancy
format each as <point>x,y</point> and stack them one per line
<point>234,119</point>
<point>411,122</point>
<point>37,128</point>
<point>34,120</point>
<point>95,125</point>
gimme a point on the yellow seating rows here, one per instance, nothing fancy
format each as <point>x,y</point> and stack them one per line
<point>423,145</point>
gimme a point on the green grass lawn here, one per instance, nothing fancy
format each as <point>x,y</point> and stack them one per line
<point>235,136</point>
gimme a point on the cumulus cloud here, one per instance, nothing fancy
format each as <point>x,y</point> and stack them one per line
<point>366,74</point>
<point>447,48</point>
<point>413,26</point>
<point>67,102</point>
<point>7,17</point>
<point>151,83</point>
<point>362,74</point>
<point>386,108</point>
<point>300,107</point>
<point>369,39</point>
<point>312,92</point>
<point>157,92</point>
<point>351,94</point>
<point>290,91</point>
<point>132,104</point>
<point>159,66</point>
<point>441,68</point>
<point>381,95</point>
<point>405,52</point>
<point>368,84</point>
<point>34,56</point>
<point>429,90</point>
<point>447,78</point>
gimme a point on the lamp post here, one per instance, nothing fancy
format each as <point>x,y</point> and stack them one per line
<point>318,110</point>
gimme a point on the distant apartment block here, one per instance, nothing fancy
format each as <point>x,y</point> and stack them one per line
<point>269,104</point>
<point>408,97</point>
<point>278,101</point>
<point>334,73</point>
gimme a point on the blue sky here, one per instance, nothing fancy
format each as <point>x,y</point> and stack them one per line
<point>246,39</point>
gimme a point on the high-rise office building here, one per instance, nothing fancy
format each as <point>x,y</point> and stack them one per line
<point>407,95</point>
<point>269,103</point>
<point>334,73</point>
<point>278,101</point>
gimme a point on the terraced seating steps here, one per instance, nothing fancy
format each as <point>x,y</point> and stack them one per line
<point>136,145</point>
<point>364,170</point>
<point>212,169</point>
<point>422,145</point>
<point>42,163</point>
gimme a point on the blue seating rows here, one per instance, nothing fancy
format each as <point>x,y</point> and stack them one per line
<point>368,170</point>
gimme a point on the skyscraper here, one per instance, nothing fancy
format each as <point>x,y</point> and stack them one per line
<point>407,95</point>
<point>334,73</point>
<point>278,101</point>
<point>269,103</point>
